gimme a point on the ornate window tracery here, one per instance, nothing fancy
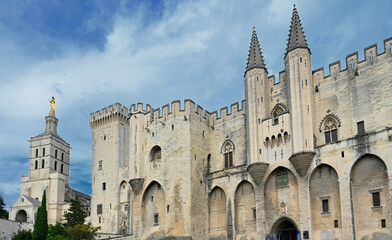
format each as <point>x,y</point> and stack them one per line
<point>331,130</point>
<point>228,154</point>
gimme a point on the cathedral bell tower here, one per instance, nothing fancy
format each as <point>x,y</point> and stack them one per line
<point>298,64</point>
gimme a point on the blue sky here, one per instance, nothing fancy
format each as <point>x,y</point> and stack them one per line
<point>91,54</point>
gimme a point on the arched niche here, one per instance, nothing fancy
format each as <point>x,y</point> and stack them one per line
<point>153,209</point>
<point>281,196</point>
<point>124,208</point>
<point>21,216</point>
<point>370,197</point>
<point>217,213</point>
<point>325,203</point>
<point>245,211</point>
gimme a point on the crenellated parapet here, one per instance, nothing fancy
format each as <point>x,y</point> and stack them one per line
<point>112,113</point>
<point>354,65</point>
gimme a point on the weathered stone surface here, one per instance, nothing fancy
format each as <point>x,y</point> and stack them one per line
<point>136,184</point>
<point>301,161</point>
<point>257,170</point>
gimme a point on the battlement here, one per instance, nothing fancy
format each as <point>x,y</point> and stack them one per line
<point>116,111</point>
<point>353,64</point>
<point>139,108</point>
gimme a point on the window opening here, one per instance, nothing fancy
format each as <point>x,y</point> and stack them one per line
<point>99,209</point>
<point>342,154</point>
<point>371,57</point>
<point>36,152</point>
<point>335,73</point>
<point>167,208</point>
<point>55,165</point>
<point>62,167</point>
<point>104,186</point>
<point>352,64</point>
<point>254,213</point>
<point>361,127</point>
<point>99,165</point>
<point>228,154</point>
<point>36,164</point>
<point>282,179</point>
<point>55,154</point>
<point>155,153</point>
<point>62,156</point>
<point>336,223</point>
<point>43,163</point>
<point>330,130</point>
<point>325,206</point>
<point>376,199</point>
<point>43,152</point>
<point>156,219</point>
<point>383,223</point>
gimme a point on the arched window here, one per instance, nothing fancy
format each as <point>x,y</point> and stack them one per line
<point>43,163</point>
<point>62,156</point>
<point>330,130</point>
<point>155,153</point>
<point>276,112</point>
<point>36,152</point>
<point>43,152</point>
<point>36,164</point>
<point>228,154</point>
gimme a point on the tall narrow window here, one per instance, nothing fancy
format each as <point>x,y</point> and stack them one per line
<point>325,203</point>
<point>36,164</point>
<point>55,154</point>
<point>228,154</point>
<point>62,156</point>
<point>282,179</point>
<point>36,152</point>
<point>104,186</point>
<point>62,168</point>
<point>43,152</point>
<point>55,165</point>
<point>156,219</point>
<point>376,199</point>
<point>99,208</point>
<point>361,127</point>
<point>330,130</point>
<point>43,163</point>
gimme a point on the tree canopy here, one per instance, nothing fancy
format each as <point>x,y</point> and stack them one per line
<point>76,214</point>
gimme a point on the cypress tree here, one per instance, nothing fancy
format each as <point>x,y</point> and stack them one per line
<point>41,221</point>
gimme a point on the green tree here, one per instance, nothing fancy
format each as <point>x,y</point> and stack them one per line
<point>76,214</point>
<point>23,235</point>
<point>3,212</point>
<point>41,221</point>
<point>82,232</point>
<point>56,232</point>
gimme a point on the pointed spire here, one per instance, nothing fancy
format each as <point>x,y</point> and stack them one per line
<point>255,57</point>
<point>297,37</point>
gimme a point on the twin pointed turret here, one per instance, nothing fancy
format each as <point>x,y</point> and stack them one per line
<point>255,56</point>
<point>296,35</point>
<point>296,39</point>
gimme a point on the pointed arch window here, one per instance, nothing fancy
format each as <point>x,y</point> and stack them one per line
<point>331,130</point>
<point>282,179</point>
<point>228,154</point>
<point>276,112</point>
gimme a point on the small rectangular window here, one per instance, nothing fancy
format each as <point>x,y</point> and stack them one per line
<point>383,223</point>
<point>62,156</point>
<point>104,186</point>
<point>376,199</point>
<point>254,213</point>
<point>55,165</point>
<point>336,223</point>
<point>99,165</point>
<point>99,220</point>
<point>36,152</point>
<point>99,209</point>
<point>342,154</point>
<point>325,206</point>
<point>361,127</point>
<point>156,219</point>
<point>55,154</point>
<point>43,152</point>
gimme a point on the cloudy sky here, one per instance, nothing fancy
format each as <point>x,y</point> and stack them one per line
<point>91,54</point>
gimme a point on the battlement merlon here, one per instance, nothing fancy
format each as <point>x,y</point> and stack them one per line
<point>116,110</point>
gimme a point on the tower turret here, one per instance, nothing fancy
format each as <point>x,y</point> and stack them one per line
<point>298,64</point>
<point>256,77</point>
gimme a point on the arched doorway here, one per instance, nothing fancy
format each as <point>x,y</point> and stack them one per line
<point>21,216</point>
<point>285,229</point>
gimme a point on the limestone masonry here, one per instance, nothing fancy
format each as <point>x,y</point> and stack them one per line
<point>307,157</point>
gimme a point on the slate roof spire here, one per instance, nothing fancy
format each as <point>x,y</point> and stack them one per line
<point>255,57</point>
<point>296,35</point>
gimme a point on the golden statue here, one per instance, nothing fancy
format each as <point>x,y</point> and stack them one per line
<point>52,105</point>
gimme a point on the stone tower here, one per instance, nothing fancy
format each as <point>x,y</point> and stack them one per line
<point>48,171</point>
<point>298,65</point>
